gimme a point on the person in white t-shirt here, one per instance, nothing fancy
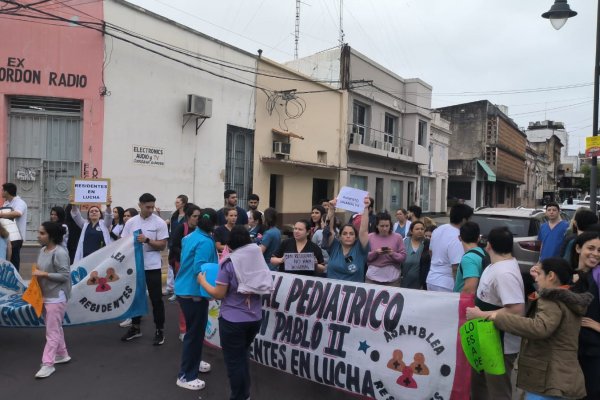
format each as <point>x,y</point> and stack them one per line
<point>501,290</point>
<point>16,209</point>
<point>447,250</point>
<point>154,236</point>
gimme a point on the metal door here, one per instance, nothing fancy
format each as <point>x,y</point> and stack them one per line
<point>44,153</point>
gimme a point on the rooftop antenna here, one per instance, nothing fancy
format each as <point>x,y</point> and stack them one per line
<point>297,30</point>
<point>341,22</point>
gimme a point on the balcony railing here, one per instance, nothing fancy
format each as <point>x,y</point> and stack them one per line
<point>366,136</point>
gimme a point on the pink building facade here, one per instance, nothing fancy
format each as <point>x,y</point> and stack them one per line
<point>51,103</point>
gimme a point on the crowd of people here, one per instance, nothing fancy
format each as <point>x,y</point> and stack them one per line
<point>559,322</point>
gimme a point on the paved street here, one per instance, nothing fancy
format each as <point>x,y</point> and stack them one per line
<point>103,368</point>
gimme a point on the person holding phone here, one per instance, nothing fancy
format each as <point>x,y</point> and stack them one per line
<point>387,253</point>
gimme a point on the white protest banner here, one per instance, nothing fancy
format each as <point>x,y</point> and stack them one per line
<point>299,261</point>
<point>109,284</point>
<point>351,199</point>
<point>86,191</point>
<point>376,341</point>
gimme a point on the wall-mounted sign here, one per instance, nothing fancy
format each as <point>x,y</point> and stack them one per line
<point>15,71</point>
<point>86,191</point>
<point>592,146</point>
<point>145,155</point>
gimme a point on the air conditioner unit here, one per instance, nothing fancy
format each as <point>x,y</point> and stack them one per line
<point>281,148</point>
<point>376,144</point>
<point>395,149</point>
<point>199,106</point>
<point>387,146</point>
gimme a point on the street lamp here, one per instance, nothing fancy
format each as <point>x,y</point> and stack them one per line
<point>558,15</point>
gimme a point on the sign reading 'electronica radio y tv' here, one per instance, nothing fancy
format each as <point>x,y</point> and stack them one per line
<point>376,341</point>
<point>153,156</point>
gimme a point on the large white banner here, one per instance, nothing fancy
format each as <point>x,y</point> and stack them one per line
<point>107,285</point>
<point>375,341</point>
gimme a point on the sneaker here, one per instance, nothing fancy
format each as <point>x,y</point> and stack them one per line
<point>173,298</point>
<point>159,337</point>
<point>126,323</point>
<point>45,371</point>
<point>204,367</point>
<point>62,359</point>
<point>132,333</point>
<point>196,384</point>
<point>181,336</point>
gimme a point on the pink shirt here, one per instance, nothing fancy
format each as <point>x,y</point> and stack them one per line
<point>385,267</point>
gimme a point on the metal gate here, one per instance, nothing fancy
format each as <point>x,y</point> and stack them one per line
<point>44,153</point>
<point>239,162</point>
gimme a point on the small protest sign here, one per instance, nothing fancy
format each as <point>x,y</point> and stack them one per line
<point>481,344</point>
<point>351,199</point>
<point>33,295</point>
<point>86,191</point>
<point>299,261</point>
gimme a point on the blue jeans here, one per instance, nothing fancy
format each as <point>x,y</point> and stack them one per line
<point>236,338</point>
<point>196,316</point>
<point>534,396</point>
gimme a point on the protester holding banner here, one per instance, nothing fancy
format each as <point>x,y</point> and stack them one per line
<point>53,275</point>
<point>192,214</point>
<point>154,238</point>
<point>271,238</point>
<point>94,234</point>
<point>500,288</point>
<point>287,253</point>
<point>387,253</point>
<point>587,279</point>
<point>548,366</point>
<point>348,254</point>
<point>411,266</point>
<point>198,248</point>
<point>242,279</point>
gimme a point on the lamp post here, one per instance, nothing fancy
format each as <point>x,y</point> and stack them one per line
<point>558,15</point>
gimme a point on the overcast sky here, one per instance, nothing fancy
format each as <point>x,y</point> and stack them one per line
<point>482,46</point>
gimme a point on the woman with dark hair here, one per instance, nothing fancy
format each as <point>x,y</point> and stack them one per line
<point>548,367</point>
<point>425,264</point>
<point>130,212</point>
<point>222,232</point>
<point>299,244</point>
<point>94,233</point>
<point>177,219</point>
<point>271,237</point>
<point>348,254</point>
<point>402,225</point>
<point>118,222</point>
<point>52,272</point>
<point>316,216</point>
<point>387,253</point>
<point>74,233</point>
<point>198,248</point>
<point>58,215</point>
<point>243,277</point>
<point>411,267</point>
<point>587,279</point>
<point>255,222</point>
<point>192,214</point>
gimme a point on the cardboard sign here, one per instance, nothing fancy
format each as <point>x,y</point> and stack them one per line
<point>299,262</point>
<point>351,199</point>
<point>481,344</point>
<point>33,295</point>
<point>90,191</point>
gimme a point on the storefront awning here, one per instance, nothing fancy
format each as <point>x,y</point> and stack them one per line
<point>491,176</point>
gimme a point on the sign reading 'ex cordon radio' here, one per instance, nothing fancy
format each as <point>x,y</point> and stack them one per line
<point>15,71</point>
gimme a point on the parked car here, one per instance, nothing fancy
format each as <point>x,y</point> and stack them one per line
<point>524,223</point>
<point>571,209</point>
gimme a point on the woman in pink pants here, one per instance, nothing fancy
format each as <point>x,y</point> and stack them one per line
<point>53,269</point>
